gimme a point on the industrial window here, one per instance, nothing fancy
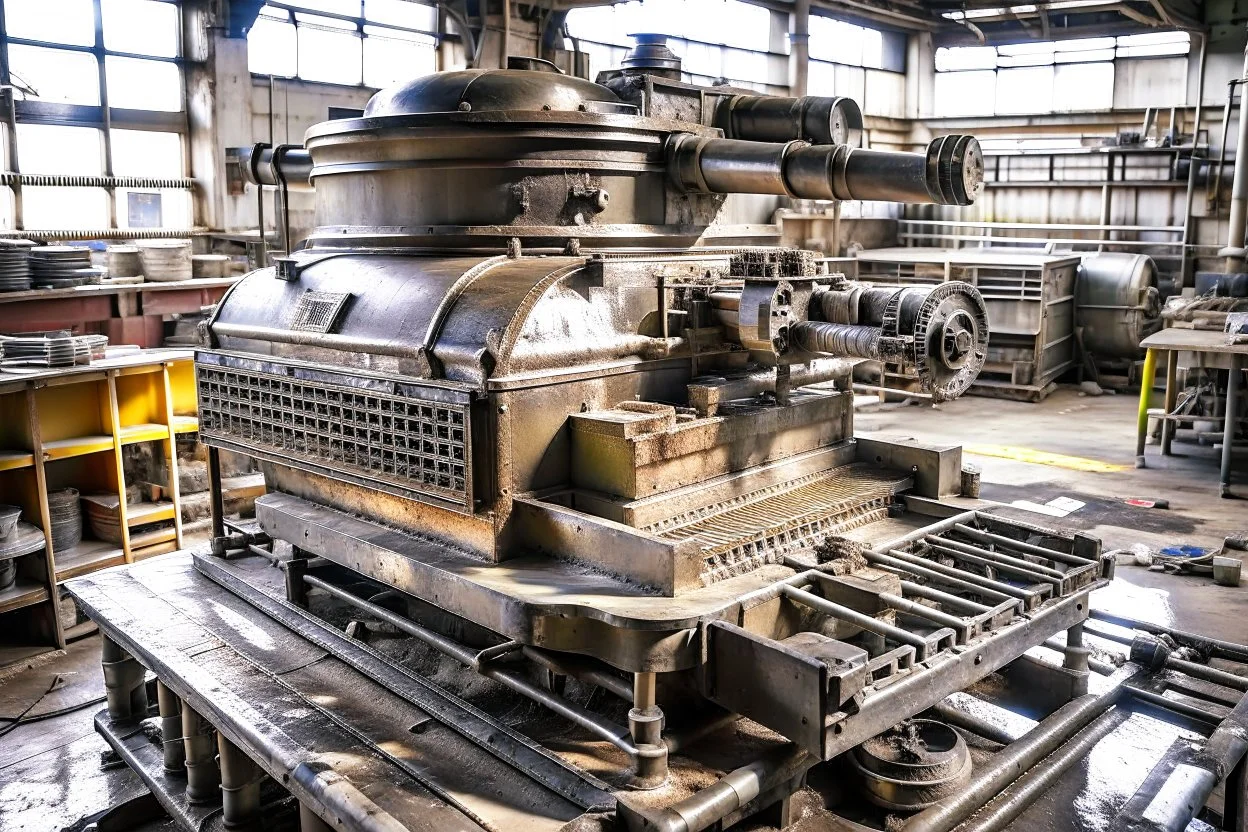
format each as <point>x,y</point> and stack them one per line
<point>717,40</point>
<point>103,101</point>
<point>1044,77</point>
<point>374,43</point>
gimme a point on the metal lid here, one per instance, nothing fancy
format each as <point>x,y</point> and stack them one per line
<point>650,53</point>
<point>486,90</point>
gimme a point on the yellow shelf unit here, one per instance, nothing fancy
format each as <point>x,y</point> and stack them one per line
<point>67,428</point>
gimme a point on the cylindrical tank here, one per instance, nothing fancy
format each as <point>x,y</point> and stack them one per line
<point>1116,303</point>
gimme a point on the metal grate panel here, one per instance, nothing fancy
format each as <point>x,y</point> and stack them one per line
<point>743,534</point>
<point>318,311</point>
<point>420,445</point>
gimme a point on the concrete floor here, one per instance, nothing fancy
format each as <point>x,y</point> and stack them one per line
<point>1100,429</point>
<point>50,773</point>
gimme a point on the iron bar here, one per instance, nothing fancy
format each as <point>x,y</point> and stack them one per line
<point>1012,761</point>
<point>998,814</point>
<point>931,570</point>
<point>993,563</point>
<point>957,717</point>
<point>866,622</point>
<point>596,724</point>
<point>1183,708</point>
<point>1022,546</point>
<point>1217,648</point>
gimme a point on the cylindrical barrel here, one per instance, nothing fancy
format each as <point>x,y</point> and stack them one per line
<point>949,173</point>
<point>1116,303</point>
<point>812,118</point>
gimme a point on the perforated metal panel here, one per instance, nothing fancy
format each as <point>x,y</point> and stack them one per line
<point>420,445</point>
<point>318,311</point>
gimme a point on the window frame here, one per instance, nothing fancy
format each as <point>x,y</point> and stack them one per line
<point>102,117</point>
<point>359,22</point>
<point>1058,57</point>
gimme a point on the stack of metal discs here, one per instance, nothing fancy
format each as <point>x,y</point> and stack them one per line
<point>166,260</point>
<point>15,265</point>
<point>60,267</point>
<point>47,349</point>
<point>65,511</point>
<point>123,261</point>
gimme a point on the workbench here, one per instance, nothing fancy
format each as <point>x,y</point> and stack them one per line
<point>127,314</point>
<point>1209,349</point>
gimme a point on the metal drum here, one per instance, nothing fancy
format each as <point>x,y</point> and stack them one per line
<point>1116,303</point>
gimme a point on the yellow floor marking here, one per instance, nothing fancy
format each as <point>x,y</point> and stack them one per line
<point>1073,463</point>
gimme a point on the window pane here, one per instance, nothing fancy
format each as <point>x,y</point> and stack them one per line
<point>389,60</point>
<point>143,27</point>
<point>50,208</point>
<point>143,85</point>
<point>56,75</point>
<point>1083,87</point>
<point>401,13</point>
<point>45,148</point>
<point>835,40</point>
<point>58,21</point>
<point>145,153</point>
<point>347,7</point>
<point>330,55</point>
<point>965,93</point>
<point>271,48</point>
<point>1027,90</point>
<point>965,57</point>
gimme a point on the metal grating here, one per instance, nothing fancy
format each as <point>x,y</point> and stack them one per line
<point>742,534</point>
<point>420,445</point>
<point>318,311</point>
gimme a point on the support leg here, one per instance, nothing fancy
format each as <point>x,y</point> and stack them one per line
<point>1172,396</point>
<point>123,682</point>
<point>1228,427</point>
<point>216,504</point>
<point>309,821</point>
<point>170,707</point>
<point>1076,659</point>
<point>203,779</point>
<point>1235,801</point>
<point>645,724</point>
<point>1141,421</point>
<point>240,786</point>
<point>296,587</point>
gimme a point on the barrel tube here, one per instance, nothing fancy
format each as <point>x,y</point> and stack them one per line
<point>949,173</point>
<point>769,118</point>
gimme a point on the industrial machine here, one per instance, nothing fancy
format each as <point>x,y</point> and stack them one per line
<point>524,411</point>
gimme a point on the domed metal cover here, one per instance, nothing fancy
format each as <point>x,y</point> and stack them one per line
<point>492,90</point>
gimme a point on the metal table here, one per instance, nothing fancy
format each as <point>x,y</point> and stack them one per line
<point>1215,353</point>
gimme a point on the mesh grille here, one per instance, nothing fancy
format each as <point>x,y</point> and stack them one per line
<point>318,311</point>
<point>420,445</point>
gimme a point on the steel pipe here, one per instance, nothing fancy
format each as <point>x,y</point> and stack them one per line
<point>766,118</point>
<point>931,570</point>
<point>1021,546</point>
<point>949,173</point>
<point>1216,648</point>
<point>865,622</point>
<point>124,689</point>
<point>969,722</point>
<point>265,164</point>
<point>998,814</point>
<point>1012,761</point>
<point>596,724</point>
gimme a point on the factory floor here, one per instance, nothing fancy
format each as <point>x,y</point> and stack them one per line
<point>1083,448</point>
